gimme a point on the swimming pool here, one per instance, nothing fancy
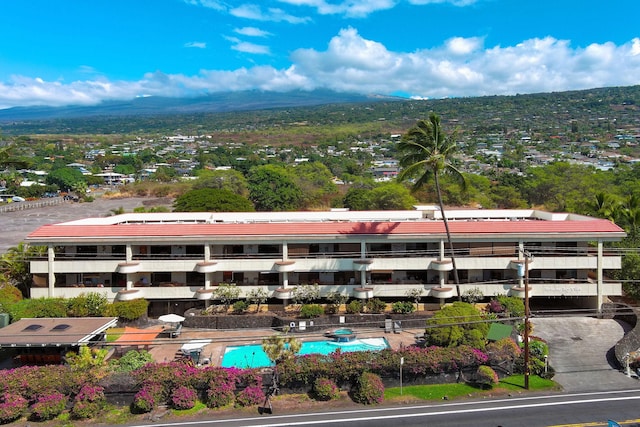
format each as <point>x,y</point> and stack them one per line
<point>252,356</point>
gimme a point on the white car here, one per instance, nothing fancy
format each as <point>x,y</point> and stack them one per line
<point>17,199</point>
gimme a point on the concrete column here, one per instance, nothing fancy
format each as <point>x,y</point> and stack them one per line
<point>600,283</point>
<point>51,279</point>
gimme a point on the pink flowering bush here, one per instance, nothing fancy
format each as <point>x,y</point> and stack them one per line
<point>368,389</point>
<point>486,377</point>
<point>31,381</point>
<point>183,398</point>
<point>220,386</point>
<point>88,402</point>
<point>220,393</point>
<point>48,406</point>
<point>150,395</point>
<point>251,395</point>
<point>325,389</point>
<point>12,407</point>
<point>344,367</point>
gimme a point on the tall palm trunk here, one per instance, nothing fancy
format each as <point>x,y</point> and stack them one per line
<point>446,227</point>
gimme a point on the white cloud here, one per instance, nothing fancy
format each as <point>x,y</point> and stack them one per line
<point>251,48</point>
<point>463,46</point>
<point>460,3</point>
<point>252,32</point>
<point>246,47</point>
<point>198,45</point>
<point>210,4</point>
<point>460,67</point>
<point>256,13</point>
<point>349,8</point>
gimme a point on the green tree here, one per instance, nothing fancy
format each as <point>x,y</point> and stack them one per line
<point>230,180</point>
<point>315,181</point>
<point>426,153</point>
<point>280,347</point>
<point>258,296</point>
<point>211,200</point>
<point>457,324</point>
<point>227,293</point>
<point>65,178</point>
<point>14,265</point>
<point>391,196</point>
<point>8,159</point>
<point>272,188</point>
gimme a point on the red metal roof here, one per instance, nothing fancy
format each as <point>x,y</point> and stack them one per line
<point>60,231</point>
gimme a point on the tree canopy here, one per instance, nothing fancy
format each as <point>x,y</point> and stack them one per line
<point>273,188</point>
<point>212,200</point>
<point>457,324</point>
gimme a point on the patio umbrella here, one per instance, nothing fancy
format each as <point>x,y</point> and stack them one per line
<point>194,345</point>
<point>171,318</point>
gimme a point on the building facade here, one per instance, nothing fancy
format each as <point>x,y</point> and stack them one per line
<point>180,258</point>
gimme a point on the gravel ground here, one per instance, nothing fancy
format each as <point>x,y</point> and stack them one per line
<point>17,225</point>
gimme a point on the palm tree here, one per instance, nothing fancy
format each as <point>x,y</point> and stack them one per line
<point>427,152</point>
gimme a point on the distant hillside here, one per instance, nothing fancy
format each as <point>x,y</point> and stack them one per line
<point>602,108</point>
<point>215,103</point>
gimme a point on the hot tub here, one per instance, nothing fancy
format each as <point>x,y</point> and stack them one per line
<point>342,335</point>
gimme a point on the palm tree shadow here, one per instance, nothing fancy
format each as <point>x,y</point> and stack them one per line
<point>373,227</point>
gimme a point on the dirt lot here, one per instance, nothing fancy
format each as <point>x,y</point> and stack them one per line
<point>18,224</point>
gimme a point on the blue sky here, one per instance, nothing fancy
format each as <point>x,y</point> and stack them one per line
<point>61,52</point>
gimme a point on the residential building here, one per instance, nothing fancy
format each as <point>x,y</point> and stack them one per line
<point>177,259</point>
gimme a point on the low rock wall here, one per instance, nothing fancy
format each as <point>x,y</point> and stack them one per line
<point>279,321</point>
<point>630,343</point>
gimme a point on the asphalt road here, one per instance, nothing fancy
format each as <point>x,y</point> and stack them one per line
<point>16,226</point>
<point>585,409</point>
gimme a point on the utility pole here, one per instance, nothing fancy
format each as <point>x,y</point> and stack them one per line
<point>526,321</point>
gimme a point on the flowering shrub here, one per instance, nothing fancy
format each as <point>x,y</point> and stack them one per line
<point>147,398</point>
<point>344,367</point>
<point>183,398</point>
<point>486,376</point>
<point>325,389</point>
<point>170,375</point>
<point>250,396</point>
<point>221,386</point>
<point>88,402</point>
<point>13,406</point>
<point>48,406</point>
<point>220,393</point>
<point>494,306</point>
<point>368,389</point>
<point>503,353</point>
<point>31,381</point>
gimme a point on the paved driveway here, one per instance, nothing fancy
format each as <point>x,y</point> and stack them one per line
<point>581,352</point>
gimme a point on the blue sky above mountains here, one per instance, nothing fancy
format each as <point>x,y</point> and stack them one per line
<point>62,52</point>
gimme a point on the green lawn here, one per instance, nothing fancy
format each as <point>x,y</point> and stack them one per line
<point>114,333</point>
<point>451,391</point>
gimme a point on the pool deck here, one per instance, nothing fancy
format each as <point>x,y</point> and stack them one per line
<point>168,349</point>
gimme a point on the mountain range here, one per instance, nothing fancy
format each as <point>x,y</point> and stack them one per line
<point>214,103</point>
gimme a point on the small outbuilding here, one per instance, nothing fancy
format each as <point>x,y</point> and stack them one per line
<point>46,340</point>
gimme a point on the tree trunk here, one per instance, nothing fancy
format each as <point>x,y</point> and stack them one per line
<point>446,227</point>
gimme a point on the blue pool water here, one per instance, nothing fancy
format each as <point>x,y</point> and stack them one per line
<point>252,356</point>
